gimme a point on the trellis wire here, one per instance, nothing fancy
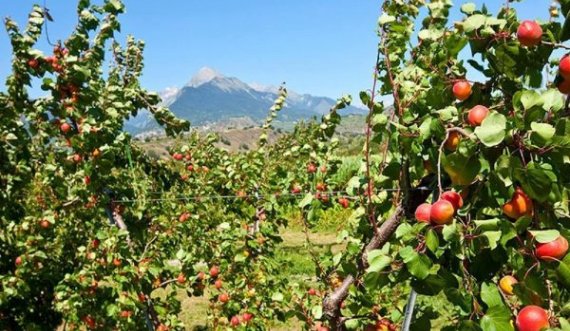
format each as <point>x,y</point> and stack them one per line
<point>256,196</point>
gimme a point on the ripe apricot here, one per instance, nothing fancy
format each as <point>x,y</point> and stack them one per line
<point>452,141</point>
<point>564,67</point>
<point>423,213</point>
<point>442,212</point>
<point>455,199</point>
<point>477,114</point>
<point>554,250</point>
<point>506,284</point>
<point>519,205</point>
<point>532,318</point>
<point>564,86</point>
<point>529,33</point>
<point>462,90</point>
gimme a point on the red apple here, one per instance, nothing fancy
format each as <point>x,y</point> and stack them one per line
<point>65,127</point>
<point>44,224</point>
<point>235,321</point>
<point>214,271</point>
<point>296,189</point>
<point>423,213</point>
<point>162,327</point>
<point>90,321</point>
<point>442,212</point>
<point>519,205</point>
<point>532,318</point>
<point>311,168</point>
<point>477,114</point>
<point>126,313</point>
<point>455,199</point>
<point>184,217</point>
<point>343,202</point>
<point>33,63</point>
<point>452,141</point>
<point>564,67</point>
<point>564,86</point>
<point>224,297</point>
<point>529,33</point>
<point>247,317</point>
<point>462,90</point>
<point>554,250</point>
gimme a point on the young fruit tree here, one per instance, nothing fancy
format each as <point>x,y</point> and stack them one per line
<point>463,191</point>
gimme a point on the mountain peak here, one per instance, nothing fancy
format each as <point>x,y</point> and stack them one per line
<point>203,76</point>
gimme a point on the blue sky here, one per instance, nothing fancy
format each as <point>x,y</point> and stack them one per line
<point>323,47</point>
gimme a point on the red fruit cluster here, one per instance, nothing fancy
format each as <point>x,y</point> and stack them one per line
<point>237,320</point>
<point>441,212</point>
<point>343,202</point>
<point>296,189</point>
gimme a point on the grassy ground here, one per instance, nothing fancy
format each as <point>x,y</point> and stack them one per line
<point>294,250</point>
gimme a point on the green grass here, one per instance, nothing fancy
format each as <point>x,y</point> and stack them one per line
<point>294,252</point>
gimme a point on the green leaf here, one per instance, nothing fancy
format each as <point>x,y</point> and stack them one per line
<point>317,311</point>
<point>497,319</point>
<point>306,200</point>
<point>563,272</point>
<point>545,236</point>
<point>451,232</point>
<point>493,238</point>
<point>277,296</point>
<point>542,133</point>
<point>461,169</point>
<point>552,100</point>
<point>385,18</point>
<point>418,265</point>
<point>490,295</point>
<point>474,22</point>
<point>530,98</point>
<point>468,8</point>
<point>432,241</point>
<point>498,316</point>
<point>535,182</point>
<point>378,260</point>
<point>493,130</point>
